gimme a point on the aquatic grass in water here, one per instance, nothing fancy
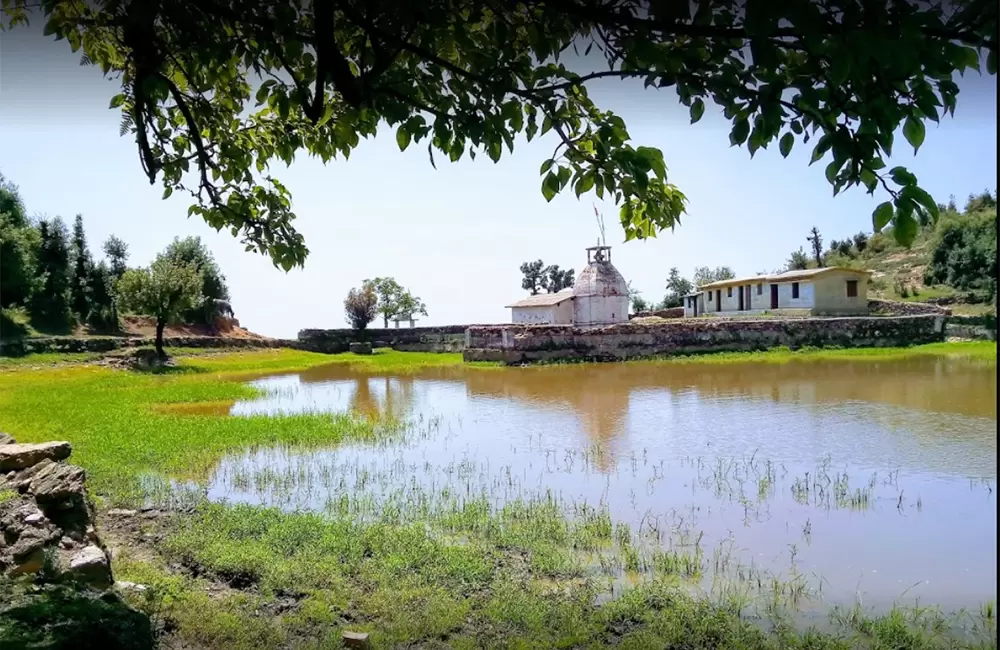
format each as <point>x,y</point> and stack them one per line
<point>480,556</point>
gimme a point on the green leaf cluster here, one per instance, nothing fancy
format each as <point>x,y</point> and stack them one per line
<point>215,94</point>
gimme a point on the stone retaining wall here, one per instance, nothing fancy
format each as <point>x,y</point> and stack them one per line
<point>449,338</point>
<point>20,347</point>
<point>672,312</point>
<point>525,344</point>
<point>981,328</point>
<point>877,307</point>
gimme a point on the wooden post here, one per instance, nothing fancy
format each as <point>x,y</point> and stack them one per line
<point>358,640</point>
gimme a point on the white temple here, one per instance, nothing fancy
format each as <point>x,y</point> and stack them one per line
<point>599,297</point>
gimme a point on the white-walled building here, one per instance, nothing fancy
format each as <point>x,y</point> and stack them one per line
<point>544,309</point>
<point>598,297</point>
<point>828,290</point>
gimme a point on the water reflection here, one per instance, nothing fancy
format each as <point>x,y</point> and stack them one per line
<point>874,475</point>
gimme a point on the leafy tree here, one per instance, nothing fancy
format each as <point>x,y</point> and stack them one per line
<point>103,314</point>
<point>166,291</point>
<point>982,201</point>
<point>535,279</point>
<point>361,306</point>
<point>704,275</point>
<point>844,247</point>
<point>410,305</point>
<point>965,253</point>
<point>798,261</point>
<point>50,302</point>
<point>557,279</point>
<point>470,77</point>
<point>677,287</point>
<point>861,242</point>
<point>117,253</point>
<point>192,251</point>
<point>639,304</point>
<point>389,293</point>
<point>19,244</point>
<point>816,240</point>
<point>82,266</point>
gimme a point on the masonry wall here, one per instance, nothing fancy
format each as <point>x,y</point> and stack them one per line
<point>450,338</point>
<point>514,345</point>
<point>20,347</point>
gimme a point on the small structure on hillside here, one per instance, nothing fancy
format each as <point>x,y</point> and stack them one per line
<point>599,297</point>
<point>827,290</point>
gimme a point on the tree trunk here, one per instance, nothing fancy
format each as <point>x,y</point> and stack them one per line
<point>160,324</point>
<point>385,319</point>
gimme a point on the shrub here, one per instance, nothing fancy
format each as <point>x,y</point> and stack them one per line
<point>965,253</point>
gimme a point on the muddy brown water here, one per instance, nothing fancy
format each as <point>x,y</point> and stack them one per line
<point>871,481</point>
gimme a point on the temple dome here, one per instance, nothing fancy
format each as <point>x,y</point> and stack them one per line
<point>600,294</point>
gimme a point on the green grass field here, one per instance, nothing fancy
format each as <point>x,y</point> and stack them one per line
<point>440,573</point>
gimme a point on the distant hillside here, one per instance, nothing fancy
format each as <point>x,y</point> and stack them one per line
<point>952,262</point>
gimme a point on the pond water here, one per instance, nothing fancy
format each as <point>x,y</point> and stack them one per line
<point>872,481</point>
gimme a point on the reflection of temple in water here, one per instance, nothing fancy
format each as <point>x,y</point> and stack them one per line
<point>596,395</point>
<point>600,395</point>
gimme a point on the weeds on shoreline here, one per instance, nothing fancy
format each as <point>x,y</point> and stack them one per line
<point>427,569</point>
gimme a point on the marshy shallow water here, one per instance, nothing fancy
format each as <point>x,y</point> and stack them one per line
<point>850,481</point>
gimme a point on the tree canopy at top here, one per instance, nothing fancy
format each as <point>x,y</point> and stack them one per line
<point>217,90</point>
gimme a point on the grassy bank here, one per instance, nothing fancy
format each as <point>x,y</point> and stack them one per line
<point>127,428</point>
<point>975,350</point>
<point>434,572</point>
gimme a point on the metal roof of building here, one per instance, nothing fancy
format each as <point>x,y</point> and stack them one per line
<point>809,273</point>
<point>787,276</point>
<point>544,299</point>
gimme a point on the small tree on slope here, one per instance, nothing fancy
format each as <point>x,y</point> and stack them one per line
<point>165,291</point>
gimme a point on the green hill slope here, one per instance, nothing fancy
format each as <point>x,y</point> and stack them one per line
<point>952,262</point>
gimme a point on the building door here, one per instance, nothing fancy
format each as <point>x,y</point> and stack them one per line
<point>740,291</point>
<point>749,301</point>
<point>718,300</point>
<point>774,296</point>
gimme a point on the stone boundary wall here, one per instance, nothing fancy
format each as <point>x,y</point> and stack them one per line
<point>878,307</point>
<point>979,328</point>
<point>20,347</point>
<point>526,344</point>
<point>673,312</point>
<point>448,338</point>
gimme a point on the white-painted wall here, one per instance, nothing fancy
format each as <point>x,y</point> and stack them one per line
<point>600,310</point>
<point>694,305</point>
<point>756,297</point>
<point>806,299</point>
<point>759,298</point>
<point>561,314</point>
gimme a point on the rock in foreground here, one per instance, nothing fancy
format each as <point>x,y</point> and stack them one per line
<point>15,456</point>
<point>46,520</point>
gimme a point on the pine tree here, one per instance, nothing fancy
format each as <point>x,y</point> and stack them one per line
<point>82,266</point>
<point>50,305</point>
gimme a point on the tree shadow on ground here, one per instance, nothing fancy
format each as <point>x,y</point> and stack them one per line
<point>63,617</point>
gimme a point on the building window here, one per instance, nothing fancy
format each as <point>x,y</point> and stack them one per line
<point>795,290</point>
<point>852,288</point>
<point>760,288</point>
<point>729,292</point>
<point>709,296</point>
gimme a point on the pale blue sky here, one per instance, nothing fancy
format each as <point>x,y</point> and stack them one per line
<point>455,236</point>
